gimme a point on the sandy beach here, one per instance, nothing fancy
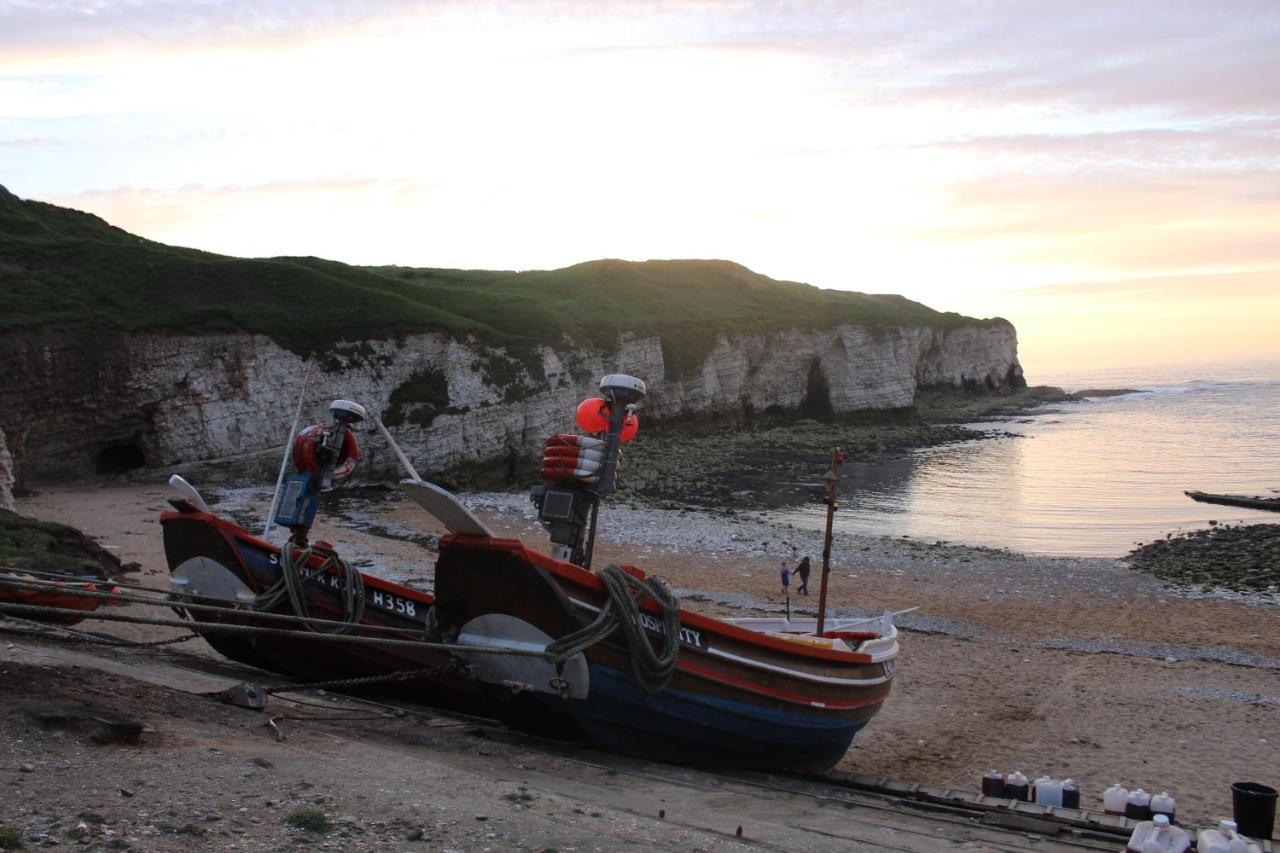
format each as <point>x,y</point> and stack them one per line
<point>1073,668</point>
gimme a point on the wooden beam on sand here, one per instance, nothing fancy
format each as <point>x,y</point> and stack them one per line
<point>1268,504</point>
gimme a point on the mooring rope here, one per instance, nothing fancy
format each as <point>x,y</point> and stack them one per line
<point>254,630</point>
<point>177,601</point>
<point>293,571</point>
<point>66,632</point>
<point>621,611</point>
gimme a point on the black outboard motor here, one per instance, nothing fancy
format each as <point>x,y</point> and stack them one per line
<point>322,453</point>
<point>579,470</point>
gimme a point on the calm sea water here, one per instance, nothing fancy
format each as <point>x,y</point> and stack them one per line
<point>1091,478</point>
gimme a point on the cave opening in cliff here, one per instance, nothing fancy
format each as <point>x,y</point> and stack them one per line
<point>817,396</point>
<point>119,457</point>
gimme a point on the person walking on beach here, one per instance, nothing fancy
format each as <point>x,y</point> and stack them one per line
<point>803,571</point>
<point>785,574</point>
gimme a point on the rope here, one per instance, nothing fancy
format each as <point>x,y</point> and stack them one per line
<point>339,683</point>
<point>621,611</point>
<point>293,571</point>
<point>64,632</point>
<point>176,601</point>
<point>225,628</point>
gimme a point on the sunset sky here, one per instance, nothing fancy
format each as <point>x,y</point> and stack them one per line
<point>1105,175</point>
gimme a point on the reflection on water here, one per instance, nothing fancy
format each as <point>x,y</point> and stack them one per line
<point>1091,478</point>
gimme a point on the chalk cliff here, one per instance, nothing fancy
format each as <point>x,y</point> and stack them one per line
<point>80,402</point>
<point>6,475</point>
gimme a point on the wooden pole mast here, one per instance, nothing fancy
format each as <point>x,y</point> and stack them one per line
<point>830,478</point>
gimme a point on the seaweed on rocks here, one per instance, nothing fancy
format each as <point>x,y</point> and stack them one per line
<point>1243,558</point>
<point>765,467</point>
<point>32,545</point>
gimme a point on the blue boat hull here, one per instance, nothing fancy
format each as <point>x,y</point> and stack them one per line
<point>676,725</point>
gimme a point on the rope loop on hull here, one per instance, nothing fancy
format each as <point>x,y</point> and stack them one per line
<point>293,571</point>
<point>621,611</point>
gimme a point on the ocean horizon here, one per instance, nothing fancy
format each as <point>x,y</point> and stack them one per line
<point>1092,478</point>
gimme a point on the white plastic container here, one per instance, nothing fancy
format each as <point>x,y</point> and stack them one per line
<point>1138,806</point>
<point>1157,836</point>
<point>1163,804</point>
<point>1114,799</point>
<point>1048,792</point>
<point>1015,786</point>
<point>1224,839</point>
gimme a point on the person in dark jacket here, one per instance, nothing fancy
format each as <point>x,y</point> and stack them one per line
<point>803,571</point>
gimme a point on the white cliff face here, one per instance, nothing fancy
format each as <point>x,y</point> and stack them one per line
<point>80,403</point>
<point>6,475</point>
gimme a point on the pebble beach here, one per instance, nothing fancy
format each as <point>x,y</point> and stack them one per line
<point>1072,667</point>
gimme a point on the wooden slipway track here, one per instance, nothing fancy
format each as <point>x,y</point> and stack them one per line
<point>725,810</point>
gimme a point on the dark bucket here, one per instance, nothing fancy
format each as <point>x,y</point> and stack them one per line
<point>1254,808</point>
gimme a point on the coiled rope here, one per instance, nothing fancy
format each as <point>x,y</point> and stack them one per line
<point>621,611</point>
<point>294,571</point>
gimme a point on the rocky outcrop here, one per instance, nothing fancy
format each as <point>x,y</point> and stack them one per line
<point>6,475</point>
<point>109,402</point>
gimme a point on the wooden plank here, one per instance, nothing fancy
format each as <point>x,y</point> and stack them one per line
<point>1268,504</point>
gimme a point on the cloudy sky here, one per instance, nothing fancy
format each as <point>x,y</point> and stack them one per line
<point>1106,175</point>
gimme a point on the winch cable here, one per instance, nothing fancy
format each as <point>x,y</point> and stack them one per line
<point>621,611</point>
<point>293,571</point>
<point>183,602</point>
<point>254,630</point>
<point>9,622</point>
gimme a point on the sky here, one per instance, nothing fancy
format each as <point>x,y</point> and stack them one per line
<point>1104,175</point>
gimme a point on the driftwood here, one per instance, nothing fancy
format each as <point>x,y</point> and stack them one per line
<point>1270,504</point>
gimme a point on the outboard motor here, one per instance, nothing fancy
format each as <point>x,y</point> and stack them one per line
<point>322,453</point>
<point>579,470</point>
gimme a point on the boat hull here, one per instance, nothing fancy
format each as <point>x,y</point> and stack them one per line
<point>255,563</point>
<point>737,698</point>
<point>60,595</point>
<point>689,727</point>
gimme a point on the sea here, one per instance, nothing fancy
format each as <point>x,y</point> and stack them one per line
<point>1092,478</point>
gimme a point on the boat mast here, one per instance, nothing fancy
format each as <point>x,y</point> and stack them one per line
<point>622,392</point>
<point>830,478</point>
<point>578,471</point>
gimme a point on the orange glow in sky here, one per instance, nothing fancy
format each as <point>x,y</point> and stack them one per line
<point>1106,176</point>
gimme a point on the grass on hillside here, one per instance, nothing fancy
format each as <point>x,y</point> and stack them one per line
<point>61,268</point>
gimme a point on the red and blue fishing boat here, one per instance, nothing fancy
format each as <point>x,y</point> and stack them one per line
<point>542,640</point>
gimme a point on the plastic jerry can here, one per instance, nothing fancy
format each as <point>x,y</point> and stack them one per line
<point>1048,792</point>
<point>1224,839</point>
<point>993,784</point>
<point>1138,806</point>
<point>1070,794</point>
<point>1163,804</point>
<point>1114,799</point>
<point>1157,836</point>
<point>1015,786</point>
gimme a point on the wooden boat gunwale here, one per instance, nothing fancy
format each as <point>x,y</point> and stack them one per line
<point>587,578</point>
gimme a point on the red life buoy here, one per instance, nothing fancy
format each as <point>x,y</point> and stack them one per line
<point>306,442</point>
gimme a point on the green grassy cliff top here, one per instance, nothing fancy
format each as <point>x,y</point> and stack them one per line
<point>61,268</point>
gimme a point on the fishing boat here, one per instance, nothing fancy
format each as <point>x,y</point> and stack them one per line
<point>224,577</point>
<point>542,640</point>
<point>62,599</point>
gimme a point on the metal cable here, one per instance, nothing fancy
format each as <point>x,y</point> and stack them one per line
<point>226,628</point>
<point>186,602</point>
